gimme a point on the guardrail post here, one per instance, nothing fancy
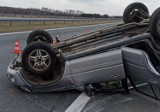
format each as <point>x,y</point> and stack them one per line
<point>10,23</point>
<point>29,23</point>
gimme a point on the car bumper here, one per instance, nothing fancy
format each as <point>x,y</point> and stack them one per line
<point>15,77</point>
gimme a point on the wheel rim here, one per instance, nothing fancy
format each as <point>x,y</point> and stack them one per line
<point>39,60</point>
<point>137,14</point>
<point>134,12</point>
<point>40,38</point>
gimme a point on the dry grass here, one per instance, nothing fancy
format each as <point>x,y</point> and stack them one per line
<point>28,26</point>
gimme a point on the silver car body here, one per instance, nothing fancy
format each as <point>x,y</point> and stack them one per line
<point>116,62</point>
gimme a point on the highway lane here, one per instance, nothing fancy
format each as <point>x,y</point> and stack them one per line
<point>12,99</point>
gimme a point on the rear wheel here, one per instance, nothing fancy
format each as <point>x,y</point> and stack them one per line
<point>39,59</point>
<point>39,35</point>
<point>154,24</point>
<point>135,12</point>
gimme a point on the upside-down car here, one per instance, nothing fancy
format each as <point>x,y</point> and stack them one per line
<point>91,61</point>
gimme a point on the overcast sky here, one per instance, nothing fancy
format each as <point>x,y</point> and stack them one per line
<point>111,7</point>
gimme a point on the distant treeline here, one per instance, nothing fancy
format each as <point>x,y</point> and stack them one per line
<point>94,15</point>
<point>48,12</point>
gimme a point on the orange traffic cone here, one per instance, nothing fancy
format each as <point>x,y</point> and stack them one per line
<point>86,31</point>
<point>16,47</point>
<point>57,38</point>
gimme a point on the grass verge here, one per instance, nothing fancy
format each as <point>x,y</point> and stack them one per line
<point>29,26</point>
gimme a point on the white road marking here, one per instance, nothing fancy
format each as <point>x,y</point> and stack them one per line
<point>52,29</point>
<point>11,33</point>
<point>79,103</point>
<point>124,100</point>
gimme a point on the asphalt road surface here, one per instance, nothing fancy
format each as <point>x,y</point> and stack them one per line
<point>13,99</point>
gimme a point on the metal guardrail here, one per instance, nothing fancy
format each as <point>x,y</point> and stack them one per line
<point>10,20</point>
<point>55,19</point>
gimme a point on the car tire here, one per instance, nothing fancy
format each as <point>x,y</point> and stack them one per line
<point>154,24</point>
<point>39,35</point>
<point>39,59</point>
<point>131,14</point>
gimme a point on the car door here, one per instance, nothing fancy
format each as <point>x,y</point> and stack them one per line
<point>141,72</point>
<point>97,68</point>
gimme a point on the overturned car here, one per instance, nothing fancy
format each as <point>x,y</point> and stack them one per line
<point>89,61</point>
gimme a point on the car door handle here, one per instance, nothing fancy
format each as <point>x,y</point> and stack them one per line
<point>115,76</point>
<point>153,81</point>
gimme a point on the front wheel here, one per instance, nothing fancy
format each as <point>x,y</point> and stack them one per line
<point>39,59</point>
